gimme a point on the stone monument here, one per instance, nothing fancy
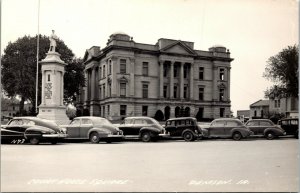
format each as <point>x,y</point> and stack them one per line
<point>53,69</point>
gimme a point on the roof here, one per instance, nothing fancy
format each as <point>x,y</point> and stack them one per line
<point>260,103</point>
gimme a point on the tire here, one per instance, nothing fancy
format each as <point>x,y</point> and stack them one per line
<point>237,136</point>
<point>34,141</point>
<point>94,137</point>
<point>188,136</point>
<point>146,136</point>
<point>270,135</point>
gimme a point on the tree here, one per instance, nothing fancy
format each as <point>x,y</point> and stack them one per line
<point>282,69</point>
<point>19,68</point>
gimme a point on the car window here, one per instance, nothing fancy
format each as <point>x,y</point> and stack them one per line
<point>16,122</point>
<point>218,124</point>
<point>252,123</point>
<point>265,123</point>
<point>75,122</point>
<point>232,124</point>
<point>139,122</point>
<point>28,122</point>
<point>294,122</point>
<point>172,123</point>
<point>284,122</point>
<point>86,122</point>
<point>128,121</point>
<point>180,122</point>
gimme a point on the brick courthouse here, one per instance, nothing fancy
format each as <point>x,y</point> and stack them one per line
<point>132,79</point>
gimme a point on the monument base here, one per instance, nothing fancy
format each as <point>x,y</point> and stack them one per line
<point>55,113</point>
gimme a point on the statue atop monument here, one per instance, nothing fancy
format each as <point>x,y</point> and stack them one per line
<point>52,39</point>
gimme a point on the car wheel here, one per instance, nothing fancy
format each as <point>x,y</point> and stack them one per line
<point>236,136</point>
<point>146,136</point>
<point>188,136</point>
<point>34,141</point>
<point>94,137</point>
<point>270,135</point>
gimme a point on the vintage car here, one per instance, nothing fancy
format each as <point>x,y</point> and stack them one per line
<point>290,125</point>
<point>95,129</point>
<point>226,128</point>
<point>145,128</point>
<point>185,127</point>
<point>265,127</point>
<point>31,129</point>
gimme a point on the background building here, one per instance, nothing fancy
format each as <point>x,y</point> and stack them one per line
<point>130,79</point>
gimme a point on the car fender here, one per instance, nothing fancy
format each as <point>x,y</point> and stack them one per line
<point>151,129</point>
<point>37,131</point>
<point>244,132</point>
<point>101,131</point>
<point>275,131</point>
<point>190,131</point>
<point>204,132</point>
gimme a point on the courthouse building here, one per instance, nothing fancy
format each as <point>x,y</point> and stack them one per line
<point>127,78</point>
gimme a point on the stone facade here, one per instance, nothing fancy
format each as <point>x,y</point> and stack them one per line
<point>131,79</point>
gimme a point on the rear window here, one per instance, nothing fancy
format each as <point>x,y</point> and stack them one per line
<point>265,123</point>
<point>252,123</point>
<point>218,123</point>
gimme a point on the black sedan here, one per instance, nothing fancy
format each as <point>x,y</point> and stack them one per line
<point>265,127</point>
<point>32,129</point>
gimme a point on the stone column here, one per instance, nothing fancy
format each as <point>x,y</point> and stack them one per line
<point>215,83</point>
<point>181,83</point>
<point>93,84</point>
<point>131,71</point>
<point>172,79</point>
<point>192,81</point>
<point>43,83</point>
<point>62,87</point>
<point>54,91</point>
<point>114,77</point>
<point>161,79</point>
<point>228,84</point>
<point>86,85</point>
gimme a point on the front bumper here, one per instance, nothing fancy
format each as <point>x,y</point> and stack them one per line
<point>115,136</point>
<point>164,135</point>
<point>56,135</point>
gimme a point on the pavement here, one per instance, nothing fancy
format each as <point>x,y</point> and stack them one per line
<point>211,165</point>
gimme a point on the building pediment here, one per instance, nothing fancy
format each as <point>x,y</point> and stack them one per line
<point>178,48</point>
<point>87,55</point>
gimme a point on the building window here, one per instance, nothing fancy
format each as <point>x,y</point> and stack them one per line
<point>221,94</point>
<point>103,111</point>
<point>145,68</point>
<point>175,71</point>
<point>103,71</point>
<point>100,70</point>
<point>175,92</point>
<point>145,110</point>
<point>109,67</point>
<point>255,114</point>
<point>109,89</point>
<point>103,90</point>
<point>222,74</point>
<point>185,92</point>
<point>277,103</point>
<point>123,66</point>
<point>165,71</point>
<point>122,89</point>
<point>100,91</point>
<point>145,91</point>
<point>201,94</point>
<point>123,110</point>
<point>222,112</point>
<point>165,91</point>
<point>48,77</point>
<point>185,71</point>
<point>108,109</point>
<point>201,73</point>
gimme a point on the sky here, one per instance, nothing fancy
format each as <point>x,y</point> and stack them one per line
<point>253,30</point>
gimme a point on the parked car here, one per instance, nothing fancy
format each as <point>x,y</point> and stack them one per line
<point>265,127</point>
<point>31,129</point>
<point>290,125</point>
<point>226,127</point>
<point>185,127</point>
<point>95,129</point>
<point>145,128</point>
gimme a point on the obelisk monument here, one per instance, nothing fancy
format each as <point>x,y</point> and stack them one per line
<point>53,69</point>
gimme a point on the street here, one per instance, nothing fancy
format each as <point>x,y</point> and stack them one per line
<point>254,164</point>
